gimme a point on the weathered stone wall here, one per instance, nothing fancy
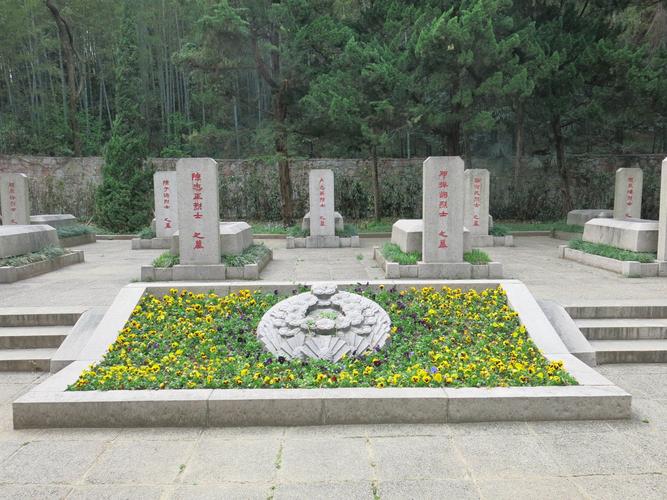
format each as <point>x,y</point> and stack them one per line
<point>249,188</point>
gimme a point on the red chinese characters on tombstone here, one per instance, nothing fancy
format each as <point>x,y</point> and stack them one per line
<point>629,195</point>
<point>12,203</point>
<point>166,201</point>
<point>443,209</point>
<point>167,223</point>
<point>476,199</point>
<point>197,206</point>
<point>323,200</point>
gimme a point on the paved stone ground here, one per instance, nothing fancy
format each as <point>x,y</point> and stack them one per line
<point>605,459</point>
<point>503,460</point>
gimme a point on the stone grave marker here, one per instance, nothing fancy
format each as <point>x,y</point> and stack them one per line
<point>166,204</point>
<point>476,213</point>
<point>321,191</point>
<point>14,198</point>
<point>442,210</point>
<point>628,193</point>
<point>198,211</point>
<point>662,222</point>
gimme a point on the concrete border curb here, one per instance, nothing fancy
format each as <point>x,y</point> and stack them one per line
<point>50,405</point>
<point>627,268</point>
<point>82,239</point>
<point>10,274</point>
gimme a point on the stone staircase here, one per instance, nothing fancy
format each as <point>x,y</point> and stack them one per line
<point>624,333</point>
<point>31,336</point>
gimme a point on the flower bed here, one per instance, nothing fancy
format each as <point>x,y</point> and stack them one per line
<point>446,338</point>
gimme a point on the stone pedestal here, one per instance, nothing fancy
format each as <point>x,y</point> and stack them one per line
<point>166,204</point>
<point>198,211</point>
<point>442,211</point>
<point>321,195</point>
<point>14,199</point>
<point>235,237</point>
<point>582,216</point>
<point>23,239</point>
<point>628,193</point>
<point>338,222</point>
<point>54,220</point>
<point>662,223</point>
<point>476,207</point>
<point>407,234</point>
<point>636,235</point>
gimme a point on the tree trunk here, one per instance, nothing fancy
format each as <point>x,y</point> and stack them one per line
<point>376,185</point>
<point>284,180</point>
<point>563,172</point>
<point>73,90</point>
<point>518,143</point>
<point>453,139</point>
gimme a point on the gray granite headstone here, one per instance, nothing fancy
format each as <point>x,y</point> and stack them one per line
<point>662,223</point>
<point>15,202</point>
<point>166,204</point>
<point>198,211</point>
<point>476,213</point>
<point>628,193</point>
<point>321,191</point>
<point>442,210</point>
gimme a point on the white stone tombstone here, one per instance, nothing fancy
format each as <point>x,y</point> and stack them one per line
<point>628,193</point>
<point>476,213</point>
<point>442,209</point>
<point>166,204</point>
<point>321,191</point>
<point>14,198</point>
<point>662,221</point>
<point>198,211</point>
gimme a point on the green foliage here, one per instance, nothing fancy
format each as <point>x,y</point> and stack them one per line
<point>393,253</point>
<point>499,230</point>
<point>476,257</point>
<point>296,231</point>
<point>560,225</point>
<point>47,253</point>
<point>75,230</point>
<point>611,252</point>
<point>166,259</point>
<point>146,233</point>
<point>251,255</point>
<point>347,231</point>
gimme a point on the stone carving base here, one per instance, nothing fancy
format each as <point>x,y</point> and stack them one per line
<point>323,242</point>
<point>151,244</point>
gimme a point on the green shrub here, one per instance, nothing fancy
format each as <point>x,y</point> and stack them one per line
<point>47,253</point>
<point>393,253</point>
<point>348,230</point>
<point>75,230</point>
<point>146,233</point>
<point>166,260</point>
<point>611,252</point>
<point>476,257</point>
<point>499,230</point>
<point>251,255</point>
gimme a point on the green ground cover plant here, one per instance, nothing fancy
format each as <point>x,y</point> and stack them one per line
<point>393,253</point>
<point>611,252</point>
<point>75,230</point>
<point>517,226</point>
<point>146,233</point>
<point>439,338</point>
<point>47,253</point>
<point>251,255</point>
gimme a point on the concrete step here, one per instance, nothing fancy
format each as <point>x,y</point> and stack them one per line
<point>25,360</point>
<point>39,316</point>
<point>618,310</point>
<point>630,351</point>
<point>623,329</point>
<point>32,337</point>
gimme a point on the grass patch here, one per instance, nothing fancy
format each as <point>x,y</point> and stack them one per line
<point>476,257</point>
<point>499,230</point>
<point>373,226</point>
<point>47,253</point>
<point>296,232</point>
<point>439,338</point>
<point>393,253</point>
<point>146,233</point>
<point>75,230</point>
<point>611,252</point>
<point>515,227</point>
<point>251,255</point>
<point>269,228</point>
<point>348,231</point>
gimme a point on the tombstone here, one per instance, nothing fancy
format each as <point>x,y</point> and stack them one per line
<point>662,222</point>
<point>321,190</point>
<point>476,213</point>
<point>628,193</point>
<point>442,210</point>
<point>198,211</point>
<point>15,202</point>
<point>166,204</point>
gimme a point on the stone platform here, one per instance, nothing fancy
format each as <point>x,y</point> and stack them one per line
<point>322,242</point>
<point>636,235</point>
<point>338,222</point>
<point>235,237</point>
<point>580,217</point>
<point>24,239</point>
<point>54,220</point>
<point>407,234</point>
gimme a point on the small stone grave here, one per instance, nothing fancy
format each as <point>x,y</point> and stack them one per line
<point>165,223</point>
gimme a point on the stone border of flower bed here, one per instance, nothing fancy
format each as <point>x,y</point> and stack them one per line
<point>81,239</point>
<point>488,240</point>
<point>49,404</point>
<point>10,274</point>
<point>627,268</point>
<point>462,270</point>
<point>151,244</point>
<point>215,272</point>
<point>323,242</point>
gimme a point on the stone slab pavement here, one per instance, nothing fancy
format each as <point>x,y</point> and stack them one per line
<point>601,459</point>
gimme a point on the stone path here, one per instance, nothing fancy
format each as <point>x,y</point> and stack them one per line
<point>605,459</point>
<point>502,460</point>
